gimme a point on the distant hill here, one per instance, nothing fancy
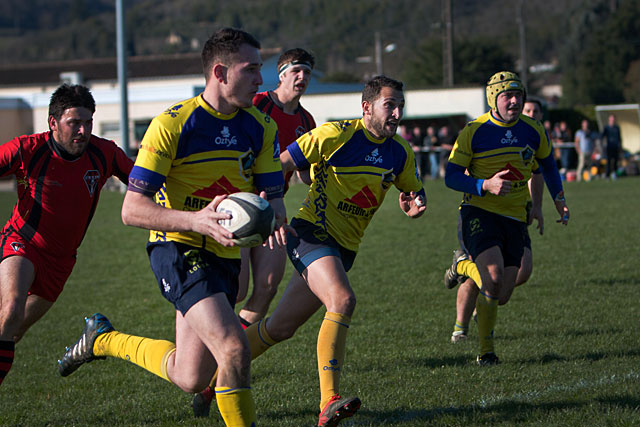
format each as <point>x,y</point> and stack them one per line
<point>340,33</point>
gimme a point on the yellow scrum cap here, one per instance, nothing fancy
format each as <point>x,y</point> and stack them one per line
<point>502,82</point>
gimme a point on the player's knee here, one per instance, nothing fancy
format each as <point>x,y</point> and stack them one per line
<point>192,386</point>
<point>350,304</point>
<point>504,300</point>
<point>266,288</point>
<point>282,332</point>
<point>12,311</point>
<point>234,353</point>
<point>343,304</point>
<point>524,273</point>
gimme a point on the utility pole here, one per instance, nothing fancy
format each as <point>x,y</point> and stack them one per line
<point>523,44</point>
<point>122,76</point>
<point>447,44</point>
<point>378,47</point>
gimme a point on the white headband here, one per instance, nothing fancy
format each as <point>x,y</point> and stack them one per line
<point>288,65</point>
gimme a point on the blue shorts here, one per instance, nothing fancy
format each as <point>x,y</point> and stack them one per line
<point>482,230</point>
<point>187,274</point>
<point>314,243</point>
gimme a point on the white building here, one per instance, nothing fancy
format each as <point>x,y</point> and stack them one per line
<point>156,82</point>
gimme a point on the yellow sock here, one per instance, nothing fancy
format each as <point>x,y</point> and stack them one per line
<point>487,308</point>
<point>469,269</point>
<point>147,353</point>
<point>259,342</point>
<point>259,339</point>
<point>458,327</point>
<point>236,406</point>
<point>331,348</point>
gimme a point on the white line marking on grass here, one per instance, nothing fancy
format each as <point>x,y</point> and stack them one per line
<point>535,394</point>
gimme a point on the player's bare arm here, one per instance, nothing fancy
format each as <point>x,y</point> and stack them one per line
<point>288,165</point>
<point>562,208</point>
<point>536,187</point>
<point>139,210</point>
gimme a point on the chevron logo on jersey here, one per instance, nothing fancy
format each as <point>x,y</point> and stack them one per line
<point>221,186</point>
<point>514,174</point>
<point>360,204</point>
<point>91,178</point>
<point>364,199</point>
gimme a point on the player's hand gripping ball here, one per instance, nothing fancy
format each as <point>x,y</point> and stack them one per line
<point>252,218</point>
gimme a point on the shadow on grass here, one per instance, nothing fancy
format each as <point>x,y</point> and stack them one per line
<point>505,412</point>
<point>610,281</point>
<point>433,362</point>
<point>592,356</point>
<point>628,401</point>
<point>591,331</point>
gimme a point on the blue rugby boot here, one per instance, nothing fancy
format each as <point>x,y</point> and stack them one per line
<point>82,351</point>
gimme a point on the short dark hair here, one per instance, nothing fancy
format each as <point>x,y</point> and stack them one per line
<point>373,87</point>
<point>70,96</point>
<point>534,101</point>
<point>296,54</point>
<point>222,44</point>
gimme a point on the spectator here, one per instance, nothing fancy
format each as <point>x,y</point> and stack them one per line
<point>416,141</point>
<point>585,143</point>
<point>446,145</point>
<point>562,139</point>
<point>611,133</point>
<point>431,143</point>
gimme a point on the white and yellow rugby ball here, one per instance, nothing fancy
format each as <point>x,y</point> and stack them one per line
<point>252,218</point>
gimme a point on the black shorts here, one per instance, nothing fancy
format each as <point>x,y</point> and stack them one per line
<point>482,230</point>
<point>187,274</point>
<point>527,238</point>
<point>313,243</point>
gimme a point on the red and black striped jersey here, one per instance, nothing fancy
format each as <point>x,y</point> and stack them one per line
<point>56,197</point>
<point>290,126</point>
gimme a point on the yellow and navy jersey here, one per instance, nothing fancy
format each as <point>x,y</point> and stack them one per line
<point>192,153</point>
<point>487,146</point>
<point>351,172</point>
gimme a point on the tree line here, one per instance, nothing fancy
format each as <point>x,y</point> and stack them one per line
<point>593,44</point>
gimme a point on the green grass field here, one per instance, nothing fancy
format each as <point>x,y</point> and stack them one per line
<point>568,339</point>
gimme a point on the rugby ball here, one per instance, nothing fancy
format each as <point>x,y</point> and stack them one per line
<point>252,218</point>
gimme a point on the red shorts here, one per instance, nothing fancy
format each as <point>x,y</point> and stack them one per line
<point>51,272</point>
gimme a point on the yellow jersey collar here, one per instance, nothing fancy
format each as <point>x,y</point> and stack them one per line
<point>202,103</point>
<point>499,122</point>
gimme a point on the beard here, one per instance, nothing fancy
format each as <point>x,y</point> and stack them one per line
<point>381,129</point>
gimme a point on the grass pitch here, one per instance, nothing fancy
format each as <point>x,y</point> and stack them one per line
<point>568,339</point>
